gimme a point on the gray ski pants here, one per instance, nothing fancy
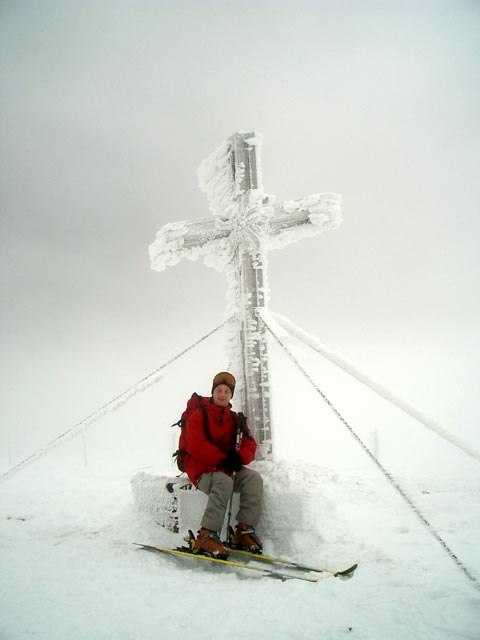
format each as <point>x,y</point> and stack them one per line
<point>218,486</point>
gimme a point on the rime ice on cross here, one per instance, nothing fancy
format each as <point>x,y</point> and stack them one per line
<point>245,224</point>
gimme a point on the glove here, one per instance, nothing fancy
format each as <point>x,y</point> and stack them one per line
<point>232,461</point>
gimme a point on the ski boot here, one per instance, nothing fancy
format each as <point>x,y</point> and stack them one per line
<point>208,543</point>
<point>245,538</point>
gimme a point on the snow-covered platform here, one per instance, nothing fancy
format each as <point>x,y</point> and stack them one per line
<point>290,503</point>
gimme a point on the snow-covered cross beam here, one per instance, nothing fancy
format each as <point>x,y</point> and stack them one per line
<point>245,224</point>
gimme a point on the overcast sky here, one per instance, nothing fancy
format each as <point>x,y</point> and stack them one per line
<point>108,108</point>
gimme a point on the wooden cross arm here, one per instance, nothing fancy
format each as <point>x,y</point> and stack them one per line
<point>284,223</point>
<point>302,218</point>
<point>188,239</point>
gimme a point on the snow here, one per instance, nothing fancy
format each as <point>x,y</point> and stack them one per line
<point>70,570</point>
<point>69,565</point>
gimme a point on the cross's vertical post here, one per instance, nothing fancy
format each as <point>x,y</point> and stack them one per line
<point>250,275</point>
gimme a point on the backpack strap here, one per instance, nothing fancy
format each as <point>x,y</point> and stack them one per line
<point>206,428</point>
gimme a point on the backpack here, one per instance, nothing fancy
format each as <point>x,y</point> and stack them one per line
<point>195,402</point>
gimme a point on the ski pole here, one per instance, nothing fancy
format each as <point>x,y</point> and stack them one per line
<point>238,440</point>
<point>230,504</point>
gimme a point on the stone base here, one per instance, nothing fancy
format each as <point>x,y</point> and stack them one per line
<point>175,504</point>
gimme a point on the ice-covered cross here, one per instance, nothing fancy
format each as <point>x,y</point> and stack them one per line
<point>245,224</point>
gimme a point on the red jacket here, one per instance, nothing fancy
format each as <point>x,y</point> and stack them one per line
<point>205,454</point>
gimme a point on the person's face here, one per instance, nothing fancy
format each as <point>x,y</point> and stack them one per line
<point>222,395</point>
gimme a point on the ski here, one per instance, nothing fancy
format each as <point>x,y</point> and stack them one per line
<point>186,553</point>
<point>289,564</point>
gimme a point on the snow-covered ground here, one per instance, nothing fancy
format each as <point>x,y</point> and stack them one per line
<point>69,569</point>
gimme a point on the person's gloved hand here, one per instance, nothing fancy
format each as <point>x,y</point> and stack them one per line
<point>232,461</point>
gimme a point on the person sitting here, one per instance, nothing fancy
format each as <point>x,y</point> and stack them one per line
<point>215,462</point>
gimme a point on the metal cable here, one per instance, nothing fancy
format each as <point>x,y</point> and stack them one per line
<point>119,400</point>
<point>376,387</point>
<point>386,473</point>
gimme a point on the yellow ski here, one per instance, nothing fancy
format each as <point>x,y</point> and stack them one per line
<point>231,563</point>
<point>290,564</point>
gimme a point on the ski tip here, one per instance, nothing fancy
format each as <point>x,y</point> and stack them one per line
<point>345,572</point>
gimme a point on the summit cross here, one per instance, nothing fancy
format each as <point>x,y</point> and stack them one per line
<point>245,224</point>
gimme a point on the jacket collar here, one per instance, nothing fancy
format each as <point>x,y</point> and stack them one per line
<point>219,411</point>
